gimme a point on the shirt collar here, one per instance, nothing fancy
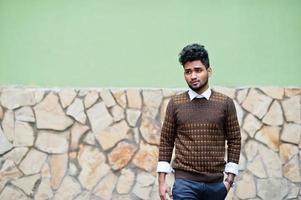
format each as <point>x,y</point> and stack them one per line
<point>206,94</point>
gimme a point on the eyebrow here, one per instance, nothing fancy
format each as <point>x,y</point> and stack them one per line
<point>194,67</point>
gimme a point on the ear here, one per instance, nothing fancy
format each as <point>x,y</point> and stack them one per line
<point>209,70</point>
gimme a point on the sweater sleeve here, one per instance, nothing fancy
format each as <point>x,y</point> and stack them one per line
<point>233,136</point>
<point>168,133</point>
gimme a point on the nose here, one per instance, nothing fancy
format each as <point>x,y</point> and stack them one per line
<point>193,75</point>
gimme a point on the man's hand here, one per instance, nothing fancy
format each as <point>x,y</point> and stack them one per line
<point>163,189</point>
<point>230,178</point>
<point>227,186</point>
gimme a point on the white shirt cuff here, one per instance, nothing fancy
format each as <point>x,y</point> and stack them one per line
<point>165,167</point>
<point>231,168</point>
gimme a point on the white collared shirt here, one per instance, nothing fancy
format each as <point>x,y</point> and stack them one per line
<point>206,94</point>
<point>165,167</point>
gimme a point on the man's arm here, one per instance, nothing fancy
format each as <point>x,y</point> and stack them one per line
<point>163,187</point>
<point>165,149</point>
<point>233,138</point>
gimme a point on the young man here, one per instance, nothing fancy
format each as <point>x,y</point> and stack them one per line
<point>197,124</point>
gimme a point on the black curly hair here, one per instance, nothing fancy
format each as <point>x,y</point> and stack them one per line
<point>194,52</point>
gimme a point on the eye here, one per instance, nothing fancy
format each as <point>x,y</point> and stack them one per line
<point>198,70</point>
<point>187,72</point>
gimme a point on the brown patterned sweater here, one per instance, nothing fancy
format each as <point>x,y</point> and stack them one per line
<point>198,129</point>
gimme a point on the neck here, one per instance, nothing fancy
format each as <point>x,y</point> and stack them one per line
<point>202,89</point>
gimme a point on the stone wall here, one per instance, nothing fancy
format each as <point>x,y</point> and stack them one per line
<point>103,143</point>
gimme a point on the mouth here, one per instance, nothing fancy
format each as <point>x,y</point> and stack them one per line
<point>195,82</point>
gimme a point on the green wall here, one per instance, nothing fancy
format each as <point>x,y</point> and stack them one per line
<point>135,43</point>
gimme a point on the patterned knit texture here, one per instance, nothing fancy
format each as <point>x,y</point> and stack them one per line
<point>198,130</point>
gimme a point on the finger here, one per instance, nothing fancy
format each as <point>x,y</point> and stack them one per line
<point>170,195</point>
<point>169,192</point>
<point>162,197</point>
<point>227,185</point>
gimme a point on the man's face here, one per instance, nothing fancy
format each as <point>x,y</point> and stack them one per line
<point>196,75</point>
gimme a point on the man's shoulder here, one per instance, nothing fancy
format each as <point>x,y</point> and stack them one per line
<point>220,97</point>
<point>180,98</point>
